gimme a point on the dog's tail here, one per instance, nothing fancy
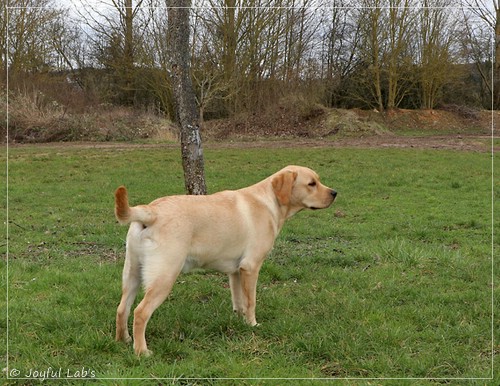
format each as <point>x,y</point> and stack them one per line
<point>126,214</point>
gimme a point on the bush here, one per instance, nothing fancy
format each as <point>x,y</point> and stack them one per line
<point>34,117</point>
<point>462,111</point>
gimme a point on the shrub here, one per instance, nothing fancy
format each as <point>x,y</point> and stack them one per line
<point>35,117</point>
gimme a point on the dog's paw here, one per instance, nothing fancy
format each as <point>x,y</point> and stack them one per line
<point>123,338</point>
<point>252,323</point>
<point>144,353</point>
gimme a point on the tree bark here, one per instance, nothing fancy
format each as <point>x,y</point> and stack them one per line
<point>376,66</point>
<point>184,96</point>
<point>496,68</point>
<point>128,55</point>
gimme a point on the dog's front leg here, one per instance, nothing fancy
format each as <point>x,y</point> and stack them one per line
<point>236,293</point>
<point>248,278</point>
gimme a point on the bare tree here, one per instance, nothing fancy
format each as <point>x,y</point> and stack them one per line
<point>339,50</point>
<point>213,61</point>
<point>374,37</point>
<point>29,30</point>
<point>187,112</point>
<point>115,40</point>
<point>218,42</point>
<point>260,48</point>
<point>488,13</point>
<point>436,34</point>
<point>400,26</point>
<point>3,41</point>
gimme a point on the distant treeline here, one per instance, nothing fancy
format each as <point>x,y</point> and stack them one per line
<point>247,55</point>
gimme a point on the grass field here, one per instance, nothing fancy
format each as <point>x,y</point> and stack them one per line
<point>393,281</point>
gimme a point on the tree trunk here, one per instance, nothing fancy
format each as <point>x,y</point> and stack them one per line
<point>128,55</point>
<point>230,40</point>
<point>496,68</point>
<point>187,111</point>
<point>374,36</point>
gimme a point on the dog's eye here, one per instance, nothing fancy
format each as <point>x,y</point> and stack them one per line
<point>313,183</point>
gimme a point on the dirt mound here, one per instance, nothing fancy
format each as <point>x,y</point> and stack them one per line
<point>289,118</point>
<point>449,119</point>
<point>350,123</point>
<point>319,122</point>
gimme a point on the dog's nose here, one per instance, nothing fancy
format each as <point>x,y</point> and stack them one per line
<point>334,193</point>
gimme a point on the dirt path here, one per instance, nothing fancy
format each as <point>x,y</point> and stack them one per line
<point>479,143</point>
<point>466,143</point>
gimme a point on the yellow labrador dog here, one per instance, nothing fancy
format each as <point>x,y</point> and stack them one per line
<point>230,231</point>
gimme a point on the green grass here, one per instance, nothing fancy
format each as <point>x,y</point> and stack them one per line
<point>393,281</point>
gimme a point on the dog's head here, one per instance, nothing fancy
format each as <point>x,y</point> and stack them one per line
<point>298,187</point>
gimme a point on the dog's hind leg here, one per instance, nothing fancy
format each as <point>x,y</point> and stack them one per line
<point>131,280</point>
<point>158,284</point>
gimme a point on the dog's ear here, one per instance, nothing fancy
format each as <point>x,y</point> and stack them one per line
<point>282,186</point>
